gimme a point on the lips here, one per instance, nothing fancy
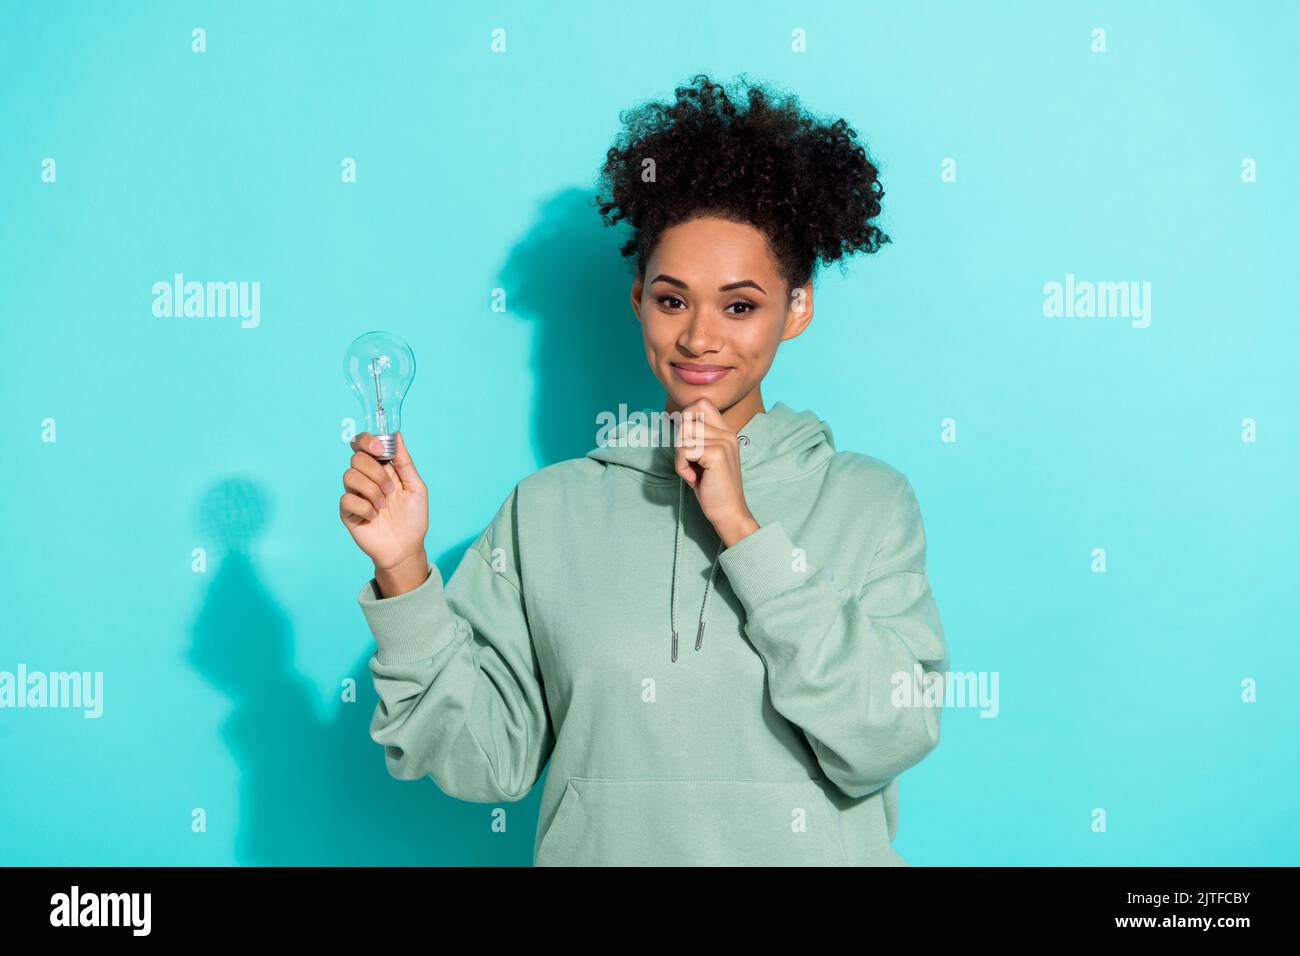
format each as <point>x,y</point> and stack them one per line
<point>695,374</point>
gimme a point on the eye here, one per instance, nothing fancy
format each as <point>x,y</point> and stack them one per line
<point>750,306</point>
<point>664,298</point>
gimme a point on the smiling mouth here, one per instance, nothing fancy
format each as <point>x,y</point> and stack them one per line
<point>694,374</point>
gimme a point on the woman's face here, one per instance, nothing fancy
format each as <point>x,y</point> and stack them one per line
<point>713,308</point>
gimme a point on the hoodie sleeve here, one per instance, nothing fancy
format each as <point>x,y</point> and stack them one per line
<point>834,656</point>
<point>460,689</point>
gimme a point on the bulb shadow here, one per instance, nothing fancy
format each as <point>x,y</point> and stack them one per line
<point>314,787</point>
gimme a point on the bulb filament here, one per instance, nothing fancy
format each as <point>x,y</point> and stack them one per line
<point>379,398</point>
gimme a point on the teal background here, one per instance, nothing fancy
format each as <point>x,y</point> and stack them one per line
<point>222,690</point>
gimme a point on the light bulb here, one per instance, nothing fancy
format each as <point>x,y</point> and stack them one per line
<point>380,367</point>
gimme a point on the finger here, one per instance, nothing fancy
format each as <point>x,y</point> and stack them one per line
<point>691,422</point>
<point>351,504</point>
<point>701,422</point>
<point>708,437</point>
<point>708,411</point>
<point>704,432</point>
<point>376,472</point>
<point>706,453</point>
<point>365,441</point>
<point>688,471</point>
<point>691,460</point>
<point>354,481</point>
<point>405,467</point>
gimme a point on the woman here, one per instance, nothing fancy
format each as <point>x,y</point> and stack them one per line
<point>718,640</point>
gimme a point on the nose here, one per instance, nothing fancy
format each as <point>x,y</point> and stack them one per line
<point>699,335</point>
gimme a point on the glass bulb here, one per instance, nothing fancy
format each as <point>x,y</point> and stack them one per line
<point>380,367</point>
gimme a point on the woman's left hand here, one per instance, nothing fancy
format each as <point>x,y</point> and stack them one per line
<point>708,458</point>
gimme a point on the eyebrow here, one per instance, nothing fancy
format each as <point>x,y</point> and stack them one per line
<point>665,277</point>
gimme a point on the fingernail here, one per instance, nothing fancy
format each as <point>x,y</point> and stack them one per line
<point>388,488</point>
<point>382,502</point>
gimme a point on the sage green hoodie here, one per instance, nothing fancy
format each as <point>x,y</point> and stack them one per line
<point>699,705</point>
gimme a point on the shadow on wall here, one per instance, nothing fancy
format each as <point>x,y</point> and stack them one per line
<point>568,279</point>
<point>314,788</point>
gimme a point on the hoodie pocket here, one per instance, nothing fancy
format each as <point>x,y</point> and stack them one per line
<point>692,822</point>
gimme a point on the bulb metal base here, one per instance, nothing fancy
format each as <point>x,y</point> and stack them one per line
<point>390,447</point>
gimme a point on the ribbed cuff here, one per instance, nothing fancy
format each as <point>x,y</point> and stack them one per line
<point>413,625</point>
<point>758,566</point>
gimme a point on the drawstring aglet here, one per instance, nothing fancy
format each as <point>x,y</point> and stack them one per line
<point>674,646</point>
<point>699,638</point>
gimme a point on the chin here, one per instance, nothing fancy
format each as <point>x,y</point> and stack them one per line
<point>684,395</point>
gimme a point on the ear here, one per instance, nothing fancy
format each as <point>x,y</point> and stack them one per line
<point>799,311</point>
<point>638,286</point>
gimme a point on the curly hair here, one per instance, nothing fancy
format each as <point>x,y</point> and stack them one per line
<point>805,183</point>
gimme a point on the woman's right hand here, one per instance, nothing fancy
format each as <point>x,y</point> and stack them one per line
<point>385,507</point>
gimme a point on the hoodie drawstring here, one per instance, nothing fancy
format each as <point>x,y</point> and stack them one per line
<point>677,551</point>
<point>779,444</point>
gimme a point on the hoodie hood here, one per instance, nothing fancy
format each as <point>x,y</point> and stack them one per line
<point>776,445</point>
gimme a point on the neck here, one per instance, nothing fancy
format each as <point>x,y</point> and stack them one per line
<point>737,414</point>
